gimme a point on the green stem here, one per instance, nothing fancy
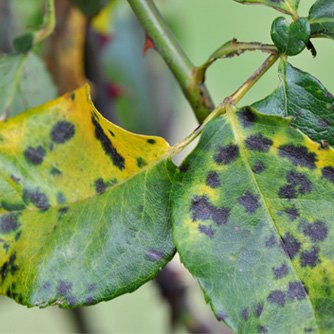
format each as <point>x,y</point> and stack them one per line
<point>230,49</point>
<point>166,44</point>
<point>237,96</point>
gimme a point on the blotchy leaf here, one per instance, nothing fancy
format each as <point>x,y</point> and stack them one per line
<point>285,6</point>
<point>321,17</point>
<point>290,39</point>
<point>302,96</point>
<point>84,205</point>
<point>253,223</point>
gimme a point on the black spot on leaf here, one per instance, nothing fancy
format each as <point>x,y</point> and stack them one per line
<point>226,154</point>
<point>212,180</point>
<point>247,116</point>
<point>62,131</point>
<point>258,143</point>
<point>63,209</point>
<point>277,297</point>
<point>244,314</point>
<point>308,330</point>
<point>55,171</point>
<point>221,316</point>
<point>203,210</point>
<point>36,197</point>
<point>263,329</point>
<point>206,230</point>
<point>271,242</point>
<point>141,162</point>
<point>64,287</point>
<point>111,133</point>
<point>73,96</point>
<point>301,181</point>
<point>61,199</point>
<point>249,201</point>
<point>100,186</point>
<point>324,123</point>
<point>15,179</point>
<point>316,231</point>
<point>259,167</point>
<point>296,290</point>
<point>310,258</point>
<point>89,301</point>
<point>288,191</point>
<point>291,244</point>
<point>281,271</point>
<point>71,300</point>
<point>298,155</point>
<point>9,223</point>
<point>18,235</point>
<point>34,156</point>
<point>328,173</point>
<point>107,145</point>
<point>91,287</point>
<point>154,255</point>
<point>292,213</point>
<point>259,310</point>
<point>184,167</point>
<point>4,270</point>
<point>151,141</point>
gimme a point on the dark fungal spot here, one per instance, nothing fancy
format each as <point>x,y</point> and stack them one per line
<point>292,213</point>
<point>141,162</point>
<point>316,231</point>
<point>100,186</point>
<point>204,210</point>
<point>4,270</point>
<point>6,246</point>
<point>259,310</point>
<point>328,173</point>
<point>308,330</point>
<point>324,123</point>
<point>247,116</point>
<point>288,191</point>
<point>310,258</point>
<point>8,293</point>
<point>61,199</point>
<point>15,179</point>
<point>151,141</point>
<point>154,255</point>
<point>291,244</point>
<point>18,235</point>
<point>226,154</point>
<point>249,201</point>
<point>46,286</point>
<point>301,181</point>
<point>34,156</point>
<point>212,180</point>
<point>55,171</point>
<point>91,287</point>
<point>207,230</point>
<point>244,314</point>
<point>184,168</point>
<point>221,316</point>
<point>277,297</point>
<point>71,300</point>
<point>111,133</point>
<point>258,143</point>
<point>62,131</point>
<point>9,223</point>
<point>298,155</point>
<point>281,272</point>
<point>263,329</point>
<point>73,96</point>
<point>36,197</point>
<point>107,145</point>
<point>141,208</point>
<point>296,290</point>
<point>64,287</point>
<point>63,209</point>
<point>20,299</point>
<point>89,301</point>
<point>271,242</point>
<point>259,167</point>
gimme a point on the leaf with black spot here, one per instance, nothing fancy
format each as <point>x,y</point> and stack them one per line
<point>69,211</point>
<point>267,267</point>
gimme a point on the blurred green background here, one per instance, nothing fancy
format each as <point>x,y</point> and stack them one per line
<point>154,104</point>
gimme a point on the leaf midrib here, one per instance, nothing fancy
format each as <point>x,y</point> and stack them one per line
<point>232,118</point>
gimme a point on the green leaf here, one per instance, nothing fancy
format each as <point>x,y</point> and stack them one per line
<point>84,206</point>
<point>304,97</point>
<point>253,222</point>
<point>90,8</point>
<point>321,17</point>
<point>285,6</point>
<point>290,39</point>
<point>25,83</point>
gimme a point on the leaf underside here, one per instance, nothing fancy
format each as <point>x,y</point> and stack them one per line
<point>284,6</point>
<point>303,97</point>
<point>321,18</point>
<point>84,206</point>
<point>252,221</point>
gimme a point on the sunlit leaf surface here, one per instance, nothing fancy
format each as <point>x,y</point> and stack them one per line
<point>84,205</point>
<point>253,222</point>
